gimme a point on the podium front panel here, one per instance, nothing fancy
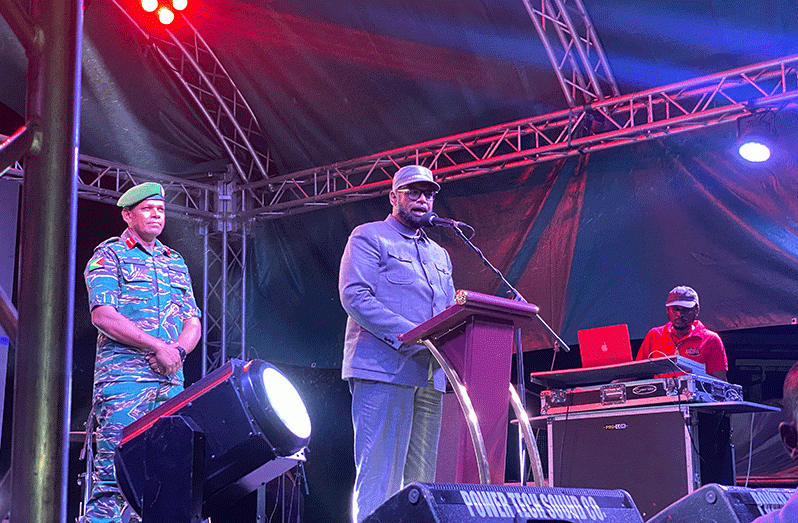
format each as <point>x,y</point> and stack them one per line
<point>481,354</point>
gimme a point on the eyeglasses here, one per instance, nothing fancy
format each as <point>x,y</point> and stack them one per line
<point>415,194</point>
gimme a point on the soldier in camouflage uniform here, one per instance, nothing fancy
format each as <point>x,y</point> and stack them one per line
<point>143,306</point>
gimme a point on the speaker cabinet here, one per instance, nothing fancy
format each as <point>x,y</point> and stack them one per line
<point>720,504</point>
<point>657,454</point>
<point>468,503</point>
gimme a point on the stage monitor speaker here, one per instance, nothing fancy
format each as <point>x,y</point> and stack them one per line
<point>467,503</point>
<point>720,504</point>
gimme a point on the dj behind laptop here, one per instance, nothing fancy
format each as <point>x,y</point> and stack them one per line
<point>609,378</point>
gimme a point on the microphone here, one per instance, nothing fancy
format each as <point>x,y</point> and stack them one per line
<point>433,220</point>
<point>430,219</point>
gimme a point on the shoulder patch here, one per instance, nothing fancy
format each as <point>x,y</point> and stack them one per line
<point>97,262</point>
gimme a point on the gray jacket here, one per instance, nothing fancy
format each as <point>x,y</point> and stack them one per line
<point>391,280</point>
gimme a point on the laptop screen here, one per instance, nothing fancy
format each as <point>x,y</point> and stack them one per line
<point>605,346</point>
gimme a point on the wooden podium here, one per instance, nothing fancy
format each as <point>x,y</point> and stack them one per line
<point>473,342</point>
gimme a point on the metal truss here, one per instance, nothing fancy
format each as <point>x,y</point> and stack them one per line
<point>574,50</point>
<point>655,113</point>
<point>195,66</point>
<point>104,181</point>
<point>224,305</point>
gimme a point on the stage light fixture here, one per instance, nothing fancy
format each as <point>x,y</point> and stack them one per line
<point>755,136</point>
<point>179,5</point>
<point>149,5</point>
<point>165,15</point>
<point>220,439</point>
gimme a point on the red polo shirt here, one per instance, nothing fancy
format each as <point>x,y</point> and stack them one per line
<point>701,345</point>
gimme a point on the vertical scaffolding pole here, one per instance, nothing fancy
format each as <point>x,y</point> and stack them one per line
<point>224,333</point>
<point>223,291</point>
<point>205,231</point>
<point>43,380</point>
<point>243,292</point>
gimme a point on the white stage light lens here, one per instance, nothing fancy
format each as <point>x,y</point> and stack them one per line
<point>286,402</point>
<point>754,152</point>
<point>165,15</point>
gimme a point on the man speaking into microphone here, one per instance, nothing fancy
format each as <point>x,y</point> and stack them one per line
<point>392,278</point>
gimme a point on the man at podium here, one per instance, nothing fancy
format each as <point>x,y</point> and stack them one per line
<point>392,278</point>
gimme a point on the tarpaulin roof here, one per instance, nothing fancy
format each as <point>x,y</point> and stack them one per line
<point>329,81</point>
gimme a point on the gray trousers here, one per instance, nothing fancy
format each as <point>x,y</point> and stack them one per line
<point>396,439</point>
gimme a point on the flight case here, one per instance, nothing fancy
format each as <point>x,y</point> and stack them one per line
<point>685,388</point>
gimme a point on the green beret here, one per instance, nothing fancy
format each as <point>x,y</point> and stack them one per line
<point>141,192</point>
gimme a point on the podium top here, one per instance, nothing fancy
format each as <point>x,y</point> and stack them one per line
<point>470,303</point>
<point>636,370</point>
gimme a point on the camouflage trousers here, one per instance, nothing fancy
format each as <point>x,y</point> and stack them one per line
<point>116,405</point>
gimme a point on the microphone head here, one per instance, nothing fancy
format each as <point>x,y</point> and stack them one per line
<point>427,219</point>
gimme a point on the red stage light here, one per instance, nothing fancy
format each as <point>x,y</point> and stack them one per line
<point>179,5</point>
<point>149,5</point>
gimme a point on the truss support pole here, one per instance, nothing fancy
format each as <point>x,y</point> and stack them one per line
<point>224,225</point>
<point>224,279</point>
<point>43,377</point>
<point>242,294</point>
<point>204,231</point>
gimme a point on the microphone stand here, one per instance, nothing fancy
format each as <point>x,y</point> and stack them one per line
<point>519,353</point>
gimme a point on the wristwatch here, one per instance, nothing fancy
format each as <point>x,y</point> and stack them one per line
<point>182,352</point>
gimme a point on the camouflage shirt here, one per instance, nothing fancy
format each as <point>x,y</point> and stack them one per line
<point>153,290</point>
